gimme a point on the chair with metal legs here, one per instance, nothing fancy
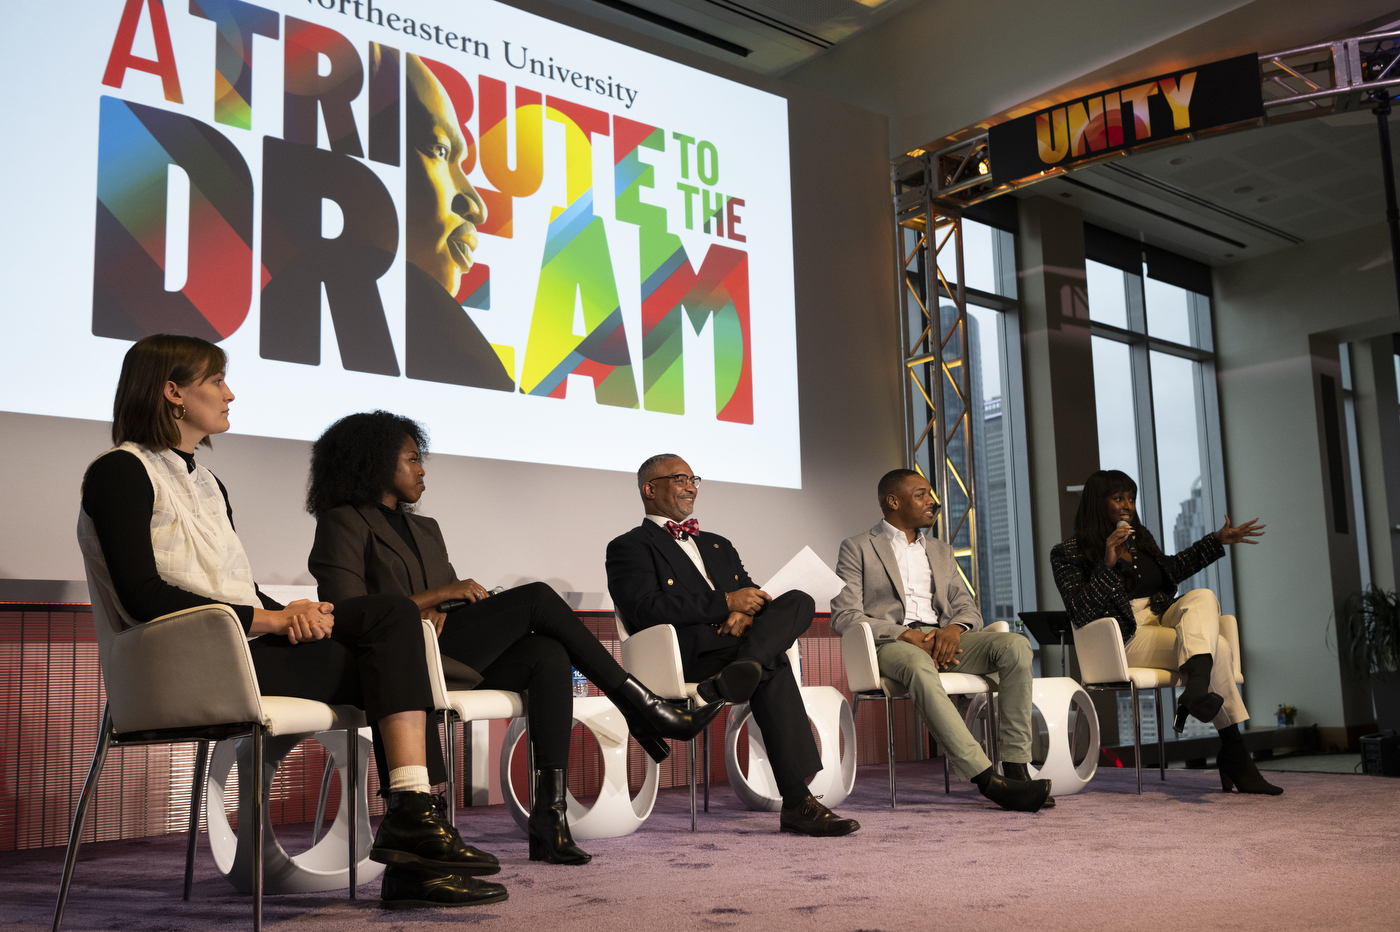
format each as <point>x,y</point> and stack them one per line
<point>188,676</point>
<point>1103,664</point>
<point>864,679</point>
<point>653,656</point>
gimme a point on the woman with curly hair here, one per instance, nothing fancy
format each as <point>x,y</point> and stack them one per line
<point>1113,568</point>
<point>366,471</point>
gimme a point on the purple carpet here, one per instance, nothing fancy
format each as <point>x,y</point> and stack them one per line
<point>1183,855</point>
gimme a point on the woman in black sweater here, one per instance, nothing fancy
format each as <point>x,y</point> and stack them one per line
<point>1112,568</point>
<point>366,473</point>
<point>164,529</point>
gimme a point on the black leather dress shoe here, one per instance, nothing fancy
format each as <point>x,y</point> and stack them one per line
<point>485,858</point>
<point>414,834</point>
<point>735,683</point>
<point>1022,773</point>
<point>412,888</point>
<point>810,817</point>
<point>1015,795</point>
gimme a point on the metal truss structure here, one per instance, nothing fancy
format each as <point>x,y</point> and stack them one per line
<point>1309,81</point>
<point>932,188</point>
<point>936,359</point>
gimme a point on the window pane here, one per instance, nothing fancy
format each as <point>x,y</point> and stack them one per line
<point>1113,397</point>
<point>979,262</point>
<point>1108,303</point>
<point>1178,456</point>
<point>1168,317</point>
<point>992,440</point>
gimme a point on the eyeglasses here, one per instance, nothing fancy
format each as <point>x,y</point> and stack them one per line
<point>680,477</point>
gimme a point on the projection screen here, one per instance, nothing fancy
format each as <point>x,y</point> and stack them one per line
<point>544,245</point>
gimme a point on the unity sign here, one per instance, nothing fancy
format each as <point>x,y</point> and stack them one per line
<point>566,243</point>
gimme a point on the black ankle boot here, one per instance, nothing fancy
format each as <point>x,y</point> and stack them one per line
<point>548,825</point>
<point>1196,699</point>
<point>1022,774</point>
<point>1237,770</point>
<point>415,833</point>
<point>652,719</point>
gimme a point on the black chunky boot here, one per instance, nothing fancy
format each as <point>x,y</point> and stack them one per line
<point>1022,774</point>
<point>548,825</point>
<point>412,888</point>
<point>415,834</point>
<point>652,719</point>
<point>1196,699</point>
<point>1237,770</point>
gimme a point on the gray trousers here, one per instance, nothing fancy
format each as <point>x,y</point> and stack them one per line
<point>1003,653</point>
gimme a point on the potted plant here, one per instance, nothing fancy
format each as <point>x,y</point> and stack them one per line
<point>1372,622</point>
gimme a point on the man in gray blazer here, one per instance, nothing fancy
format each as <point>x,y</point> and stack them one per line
<point>906,586</point>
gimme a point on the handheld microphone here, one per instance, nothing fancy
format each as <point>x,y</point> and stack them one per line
<point>1124,524</point>
<point>451,605</point>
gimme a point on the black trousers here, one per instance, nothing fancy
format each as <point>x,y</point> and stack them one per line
<point>527,639</point>
<point>373,659</point>
<point>777,702</point>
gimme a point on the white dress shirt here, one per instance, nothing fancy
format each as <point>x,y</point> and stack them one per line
<point>691,549</point>
<point>914,572</point>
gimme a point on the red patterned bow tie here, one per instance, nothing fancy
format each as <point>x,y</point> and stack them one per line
<point>680,531</point>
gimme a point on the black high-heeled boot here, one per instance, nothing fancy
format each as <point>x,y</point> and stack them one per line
<point>652,719</point>
<point>1196,699</point>
<point>1237,770</point>
<point>548,825</point>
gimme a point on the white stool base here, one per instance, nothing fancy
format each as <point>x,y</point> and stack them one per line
<point>615,812</point>
<point>831,714</point>
<point>323,866</point>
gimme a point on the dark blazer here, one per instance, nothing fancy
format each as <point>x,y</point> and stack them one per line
<point>653,582</point>
<point>356,553</point>
<point>1091,590</point>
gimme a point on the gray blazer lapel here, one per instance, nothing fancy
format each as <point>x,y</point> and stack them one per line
<point>881,542</point>
<point>390,538</point>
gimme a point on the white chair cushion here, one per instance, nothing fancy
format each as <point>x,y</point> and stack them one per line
<point>286,715</point>
<point>476,705</point>
<point>1152,677</point>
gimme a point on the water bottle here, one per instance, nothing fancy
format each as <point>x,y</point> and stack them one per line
<point>580,684</point>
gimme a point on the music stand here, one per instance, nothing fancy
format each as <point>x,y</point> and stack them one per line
<point>1047,628</point>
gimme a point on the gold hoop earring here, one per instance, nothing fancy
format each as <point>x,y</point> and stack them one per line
<point>179,413</point>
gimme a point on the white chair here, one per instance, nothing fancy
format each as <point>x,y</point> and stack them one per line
<point>188,676</point>
<point>830,713</point>
<point>1103,664</point>
<point>613,813</point>
<point>653,656</point>
<point>865,682</point>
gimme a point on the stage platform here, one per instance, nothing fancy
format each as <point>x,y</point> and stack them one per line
<point>1322,856</point>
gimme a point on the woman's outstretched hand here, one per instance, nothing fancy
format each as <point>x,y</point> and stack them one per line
<point>1116,547</point>
<point>299,622</point>
<point>1242,533</point>
<point>471,590</point>
<point>436,617</point>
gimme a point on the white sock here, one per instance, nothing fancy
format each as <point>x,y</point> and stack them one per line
<point>409,780</point>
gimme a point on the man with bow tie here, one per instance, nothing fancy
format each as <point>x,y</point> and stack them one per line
<point>733,636</point>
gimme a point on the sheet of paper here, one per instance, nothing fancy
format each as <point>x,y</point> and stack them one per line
<point>807,572</point>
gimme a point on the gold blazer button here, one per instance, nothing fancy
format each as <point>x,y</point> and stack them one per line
<point>670,582</point>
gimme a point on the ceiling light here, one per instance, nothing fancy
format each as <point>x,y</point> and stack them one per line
<point>982,168</point>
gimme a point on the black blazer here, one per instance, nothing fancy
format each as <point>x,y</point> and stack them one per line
<point>653,582</point>
<point>357,552</point>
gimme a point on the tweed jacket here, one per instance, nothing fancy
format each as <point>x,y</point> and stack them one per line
<point>874,591</point>
<point>1091,590</point>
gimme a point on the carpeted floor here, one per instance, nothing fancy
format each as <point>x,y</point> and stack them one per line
<point>1182,856</point>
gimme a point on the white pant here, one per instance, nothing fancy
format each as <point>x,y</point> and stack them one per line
<point>1190,626</point>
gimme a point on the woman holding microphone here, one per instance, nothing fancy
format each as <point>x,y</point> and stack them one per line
<point>1113,568</point>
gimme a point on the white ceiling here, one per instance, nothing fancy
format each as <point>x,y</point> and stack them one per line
<point>778,34</point>
<point>1234,197</point>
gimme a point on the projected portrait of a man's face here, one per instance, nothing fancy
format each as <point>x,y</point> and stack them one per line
<point>443,208</point>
